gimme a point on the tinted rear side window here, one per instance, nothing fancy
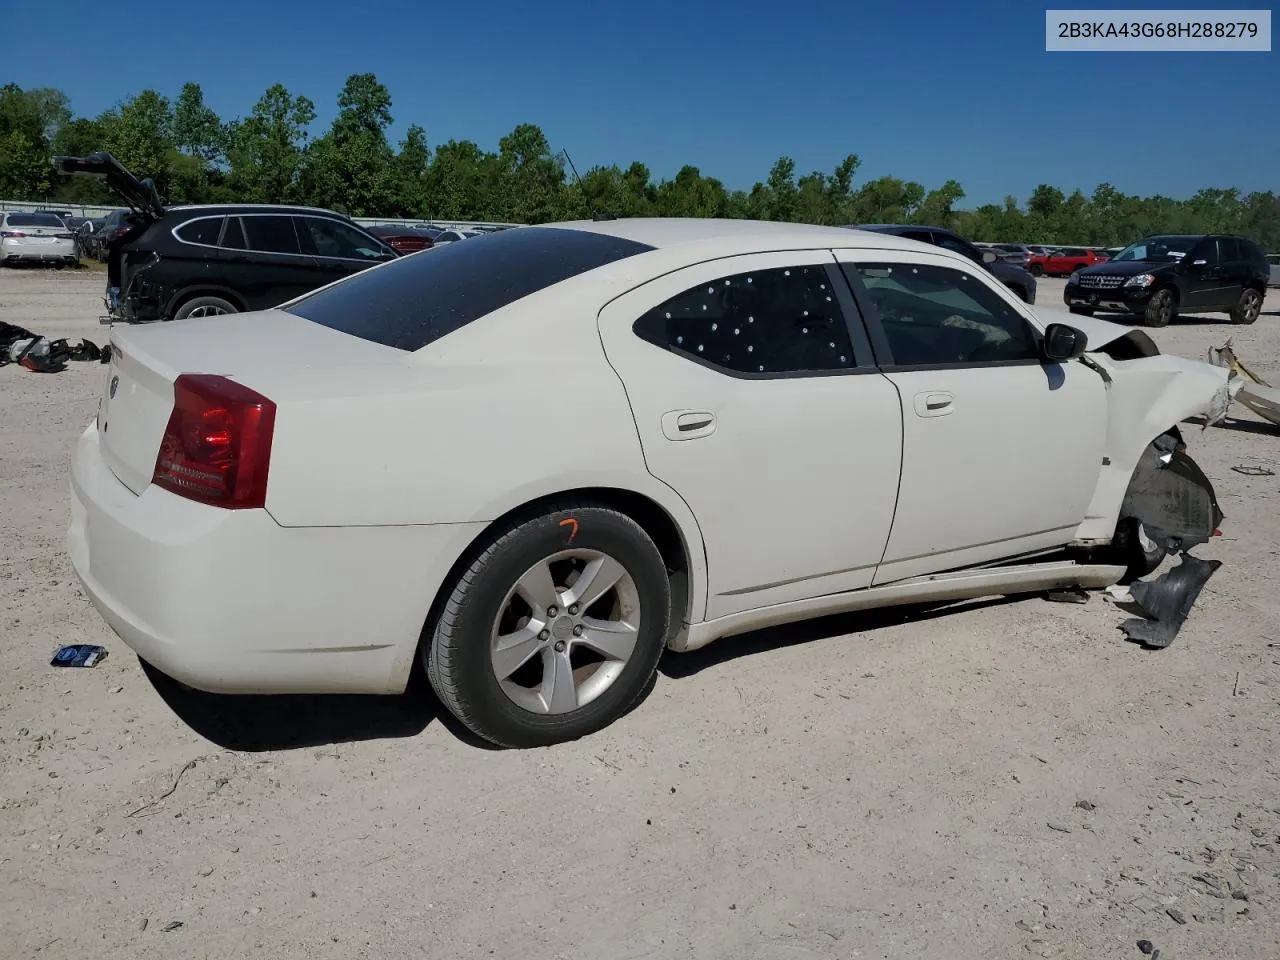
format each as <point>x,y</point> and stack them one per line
<point>414,301</point>
<point>271,234</point>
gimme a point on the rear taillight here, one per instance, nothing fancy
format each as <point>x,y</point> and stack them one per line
<point>217,444</point>
<point>12,233</point>
<point>64,236</point>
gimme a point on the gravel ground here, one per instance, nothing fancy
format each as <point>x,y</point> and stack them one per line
<point>1009,778</point>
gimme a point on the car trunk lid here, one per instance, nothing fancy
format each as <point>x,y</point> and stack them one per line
<point>140,195</point>
<point>278,354</point>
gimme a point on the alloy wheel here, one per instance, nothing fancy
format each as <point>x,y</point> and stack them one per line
<point>565,631</point>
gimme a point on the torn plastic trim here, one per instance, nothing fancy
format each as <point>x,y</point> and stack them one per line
<point>1171,496</point>
<point>1167,601</point>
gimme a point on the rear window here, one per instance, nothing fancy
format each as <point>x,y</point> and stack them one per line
<point>416,300</point>
<point>34,220</point>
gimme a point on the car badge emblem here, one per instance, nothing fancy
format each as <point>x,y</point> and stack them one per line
<point>115,383</point>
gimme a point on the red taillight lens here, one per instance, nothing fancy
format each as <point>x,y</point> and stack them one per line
<point>217,445</point>
<point>12,233</point>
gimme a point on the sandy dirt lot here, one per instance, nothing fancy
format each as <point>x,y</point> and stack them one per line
<point>1007,779</point>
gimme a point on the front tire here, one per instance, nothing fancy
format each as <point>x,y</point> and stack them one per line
<point>554,630</point>
<point>1036,270</point>
<point>1249,307</point>
<point>1161,309</point>
<point>204,307</point>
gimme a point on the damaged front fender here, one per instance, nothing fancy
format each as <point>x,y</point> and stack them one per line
<point>1146,398</point>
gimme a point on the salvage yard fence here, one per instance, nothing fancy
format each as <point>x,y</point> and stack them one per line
<point>94,211</point>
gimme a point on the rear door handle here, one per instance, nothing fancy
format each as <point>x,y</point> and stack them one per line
<point>935,403</point>
<point>688,424</point>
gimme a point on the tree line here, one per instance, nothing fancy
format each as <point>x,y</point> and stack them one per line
<point>274,155</point>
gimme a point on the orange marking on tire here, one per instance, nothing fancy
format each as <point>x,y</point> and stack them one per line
<point>570,522</point>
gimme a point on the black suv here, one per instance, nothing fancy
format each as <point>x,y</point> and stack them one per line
<point>199,261</point>
<point>1159,277</point>
<point>1013,276</point>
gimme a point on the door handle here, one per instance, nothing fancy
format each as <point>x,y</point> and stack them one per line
<point>688,424</point>
<point>935,403</point>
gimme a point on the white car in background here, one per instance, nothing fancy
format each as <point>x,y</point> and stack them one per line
<point>536,460</point>
<point>36,238</point>
<point>1273,259</point>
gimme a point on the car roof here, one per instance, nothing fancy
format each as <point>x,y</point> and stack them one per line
<point>743,236</point>
<point>226,208</point>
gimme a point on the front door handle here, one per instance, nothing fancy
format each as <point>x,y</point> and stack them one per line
<point>935,403</point>
<point>688,424</point>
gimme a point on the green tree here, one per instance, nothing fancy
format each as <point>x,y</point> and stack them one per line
<point>351,167</point>
<point>139,133</point>
<point>266,149</point>
<point>412,173</point>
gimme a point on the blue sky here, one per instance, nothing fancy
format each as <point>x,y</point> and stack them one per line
<point>924,91</point>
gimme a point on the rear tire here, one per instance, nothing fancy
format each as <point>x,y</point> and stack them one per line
<point>1249,307</point>
<point>204,307</point>
<point>1161,309</point>
<point>1036,270</point>
<point>509,636</point>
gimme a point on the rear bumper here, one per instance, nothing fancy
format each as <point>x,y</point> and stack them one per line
<point>60,251</point>
<point>231,602</point>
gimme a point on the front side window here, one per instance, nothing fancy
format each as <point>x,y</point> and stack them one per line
<point>939,315</point>
<point>329,238</point>
<point>203,231</point>
<point>784,320</point>
<point>270,234</point>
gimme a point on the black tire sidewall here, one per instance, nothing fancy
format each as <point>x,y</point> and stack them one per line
<point>1152,316</point>
<point>195,303</point>
<point>487,710</point>
<point>1238,314</point>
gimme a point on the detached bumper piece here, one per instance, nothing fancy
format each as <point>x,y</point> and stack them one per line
<point>1167,601</point>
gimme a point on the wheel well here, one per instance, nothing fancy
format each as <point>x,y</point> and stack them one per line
<point>652,518</point>
<point>1257,285</point>
<point>187,296</point>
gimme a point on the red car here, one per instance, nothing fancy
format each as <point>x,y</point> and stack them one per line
<point>401,239</point>
<point>1065,262</point>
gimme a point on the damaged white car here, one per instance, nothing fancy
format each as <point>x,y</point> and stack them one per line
<point>535,460</point>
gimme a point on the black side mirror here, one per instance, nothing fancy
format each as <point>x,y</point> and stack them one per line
<point>1062,343</point>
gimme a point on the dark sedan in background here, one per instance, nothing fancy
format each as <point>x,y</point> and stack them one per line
<point>1010,274</point>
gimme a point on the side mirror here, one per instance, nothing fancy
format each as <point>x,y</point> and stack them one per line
<point>989,257</point>
<point>1062,343</point>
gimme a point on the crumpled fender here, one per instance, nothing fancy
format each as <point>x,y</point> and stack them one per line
<point>1146,397</point>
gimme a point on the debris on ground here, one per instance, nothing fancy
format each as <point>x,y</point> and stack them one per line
<point>1146,946</point>
<point>1067,595</point>
<point>1251,471</point>
<point>1167,601</point>
<point>1246,386</point>
<point>78,655</point>
<point>42,355</point>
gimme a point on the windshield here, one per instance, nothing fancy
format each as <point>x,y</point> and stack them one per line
<point>34,220</point>
<point>1157,250</point>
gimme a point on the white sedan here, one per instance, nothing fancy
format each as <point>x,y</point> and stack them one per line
<point>535,460</point>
